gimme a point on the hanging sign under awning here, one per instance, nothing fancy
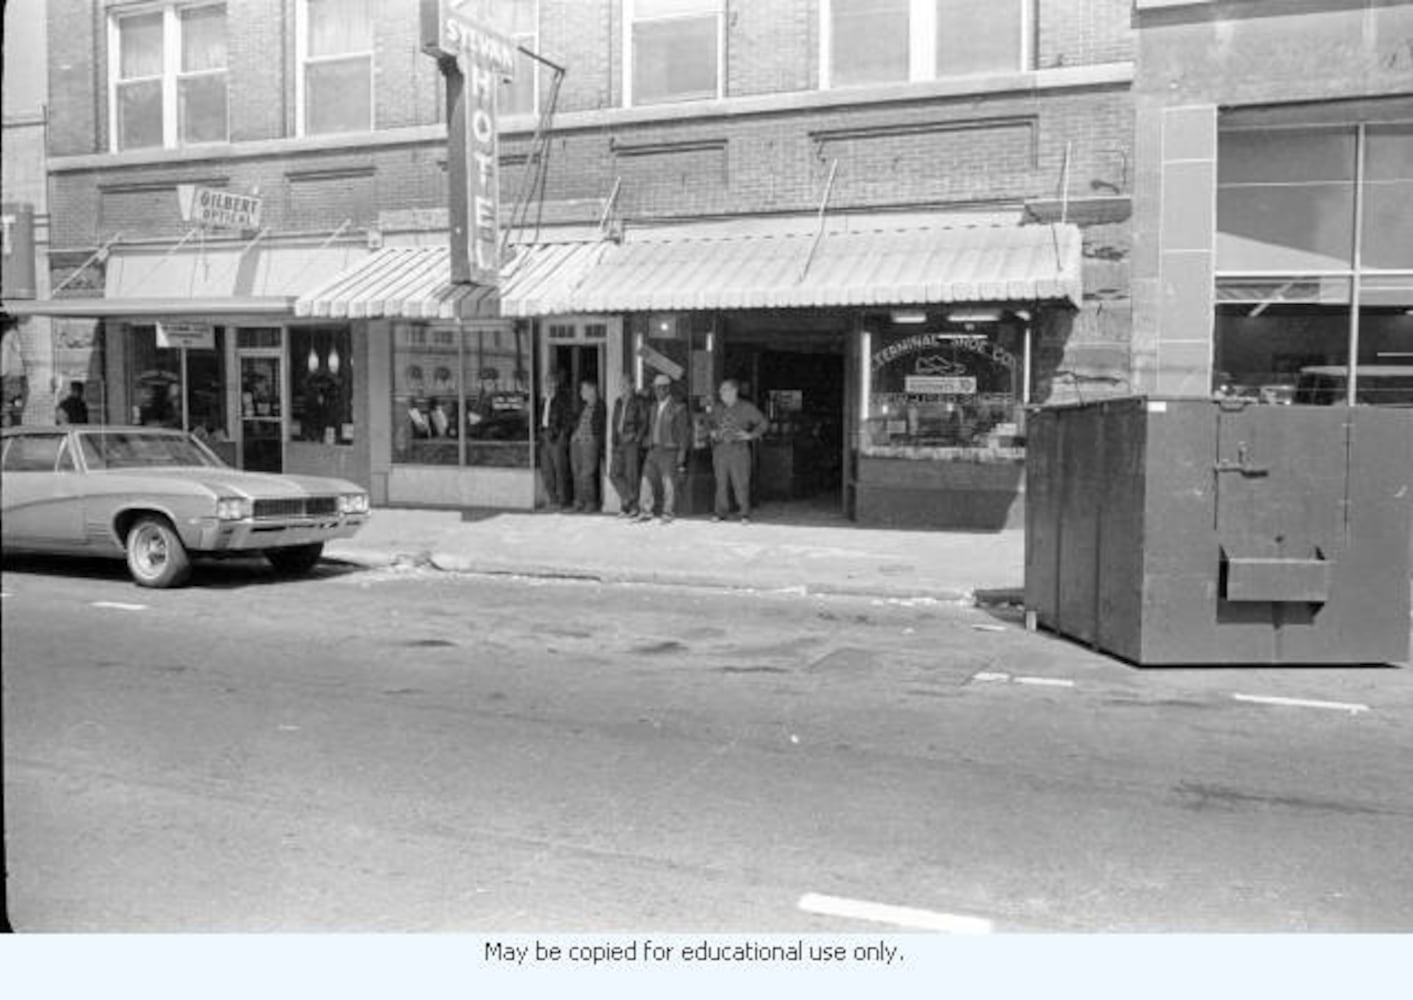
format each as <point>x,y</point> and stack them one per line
<point>193,336</point>
<point>661,362</point>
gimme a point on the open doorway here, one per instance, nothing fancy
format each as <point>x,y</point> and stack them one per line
<point>793,369</point>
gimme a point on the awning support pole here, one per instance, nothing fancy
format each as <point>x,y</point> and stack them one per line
<point>819,233</point>
<point>99,254</point>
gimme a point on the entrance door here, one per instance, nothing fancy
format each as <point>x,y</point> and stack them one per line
<point>262,390</point>
<point>579,363</point>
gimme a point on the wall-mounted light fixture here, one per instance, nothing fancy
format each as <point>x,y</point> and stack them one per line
<point>908,316</point>
<point>974,316</point>
<point>312,362</point>
<point>333,360</point>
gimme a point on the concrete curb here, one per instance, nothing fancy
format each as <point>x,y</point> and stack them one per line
<point>452,563</point>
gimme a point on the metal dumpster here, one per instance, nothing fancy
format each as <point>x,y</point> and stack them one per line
<point>1192,531</point>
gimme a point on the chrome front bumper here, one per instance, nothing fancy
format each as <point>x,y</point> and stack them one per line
<point>207,534</point>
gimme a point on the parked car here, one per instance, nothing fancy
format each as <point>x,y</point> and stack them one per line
<point>1377,385</point>
<point>159,497</point>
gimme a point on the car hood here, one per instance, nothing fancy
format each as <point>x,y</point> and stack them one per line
<point>234,482</point>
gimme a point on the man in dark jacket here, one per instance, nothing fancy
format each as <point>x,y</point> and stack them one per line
<point>586,448</point>
<point>629,429</point>
<point>556,425</point>
<point>667,451</point>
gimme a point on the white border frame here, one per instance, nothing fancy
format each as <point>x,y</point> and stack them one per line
<point>171,70</point>
<point>301,60</point>
<point>630,18</point>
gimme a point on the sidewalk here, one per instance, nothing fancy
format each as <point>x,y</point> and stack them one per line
<point>832,558</point>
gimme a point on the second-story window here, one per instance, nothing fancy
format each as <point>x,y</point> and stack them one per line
<point>675,50</point>
<point>335,39</point>
<point>896,41</point>
<point>169,77</point>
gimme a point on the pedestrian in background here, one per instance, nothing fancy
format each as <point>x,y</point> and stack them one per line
<point>72,408</point>
<point>556,425</point>
<point>629,430</point>
<point>586,446</point>
<point>734,424</point>
<point>666,460</point>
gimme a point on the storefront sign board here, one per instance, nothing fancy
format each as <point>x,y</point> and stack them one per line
<point>192,336</point>
<point>939,385</point>
<point>215,209</point>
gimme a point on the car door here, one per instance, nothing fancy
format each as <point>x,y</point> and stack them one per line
<point>41,493</point>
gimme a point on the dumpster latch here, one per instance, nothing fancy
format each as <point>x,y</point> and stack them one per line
<point>1242,464</point>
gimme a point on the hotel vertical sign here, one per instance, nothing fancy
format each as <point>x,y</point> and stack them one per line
<point>483,58</point>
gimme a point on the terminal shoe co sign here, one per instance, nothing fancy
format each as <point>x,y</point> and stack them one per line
<point>475,58</point>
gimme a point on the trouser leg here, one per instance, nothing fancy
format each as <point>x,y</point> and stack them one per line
<point>721,470</point>
<point>632,472</point>
<point>739,466</point>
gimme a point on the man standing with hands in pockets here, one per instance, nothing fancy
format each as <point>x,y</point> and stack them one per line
<point>734,425</point>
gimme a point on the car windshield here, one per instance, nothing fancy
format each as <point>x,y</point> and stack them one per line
<point>140,450</point>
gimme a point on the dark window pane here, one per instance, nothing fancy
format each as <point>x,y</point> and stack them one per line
<point>978,36</point>
<point>674,60</point>
<point>203,38</point>
<point>338,96</point>
<point>498,404</point>
<point>426,402</point>
<point>321,385</point>
<point>1274,354</point>
<point>140,44</point>
<point>1285,228</point>
<point>140,114</point>
<point>870,41</point>
<point>201,105</point>
<point>1285,156</point>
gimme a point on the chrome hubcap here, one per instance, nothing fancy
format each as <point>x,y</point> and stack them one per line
<point>150,551</point>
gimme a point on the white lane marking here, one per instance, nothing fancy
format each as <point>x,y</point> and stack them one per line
<point>898,916</point>
<point>6,593</point>
<point>119,606</point>
<point>989,675</point>
<point>1353,708</point>
<point>1058,682</point>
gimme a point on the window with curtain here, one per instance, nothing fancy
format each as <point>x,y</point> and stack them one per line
<point>979,36</point>
<point>169,82</point>
<point>201,84</point>
<point>336,48</point>
<point>870,41</point>
<point>520,21</point>
<point>676,50</point>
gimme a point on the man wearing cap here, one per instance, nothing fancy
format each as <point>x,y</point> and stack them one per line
<point>667,451</point>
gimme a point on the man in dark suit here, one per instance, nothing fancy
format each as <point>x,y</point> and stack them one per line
<point>667,451</point>
<point>586,448</point>
<point>629,429</point>
<point>556,425</point>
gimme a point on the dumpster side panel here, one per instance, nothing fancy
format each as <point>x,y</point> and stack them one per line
<point>1121,528</point>
<point>1180,549</point>
<point>1281,478</point>
<point>1042,524</point>
<point>1081,491</point>
<point>1372,585</point>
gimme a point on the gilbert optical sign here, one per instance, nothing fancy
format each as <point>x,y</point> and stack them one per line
<point>484,57</point>
<point>218,209</point>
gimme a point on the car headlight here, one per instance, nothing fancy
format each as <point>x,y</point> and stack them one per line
<point>353,503</point>
<point>233,508</point>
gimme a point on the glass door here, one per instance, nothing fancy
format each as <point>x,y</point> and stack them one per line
<point>262,388</point>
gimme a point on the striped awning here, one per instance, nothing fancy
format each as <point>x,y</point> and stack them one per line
<point>415,283</point>
<point>673,269</point>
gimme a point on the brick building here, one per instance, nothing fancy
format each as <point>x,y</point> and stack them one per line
<point>895,221</point>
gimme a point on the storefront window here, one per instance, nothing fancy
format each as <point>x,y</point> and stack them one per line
<point>496,375</point>
<point>939,387</point>
<point>321,380</point>
<point>461,396</point>
<point>169,390</point>
<point>1314,264</point>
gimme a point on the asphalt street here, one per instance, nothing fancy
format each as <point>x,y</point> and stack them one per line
<point>408,750</point>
